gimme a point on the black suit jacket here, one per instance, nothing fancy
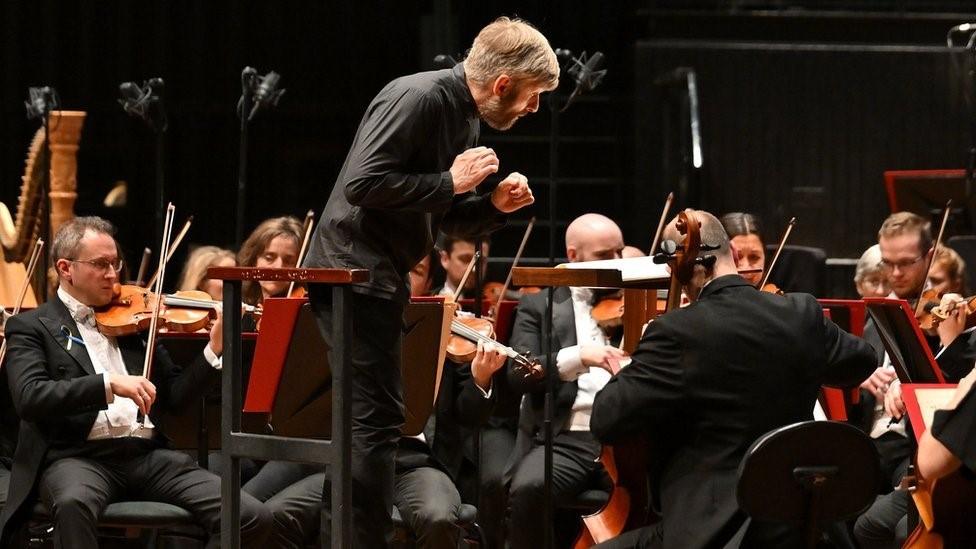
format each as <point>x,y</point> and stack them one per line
<point>528,336</point>
<point>58,395</point>
<point>708,380</point>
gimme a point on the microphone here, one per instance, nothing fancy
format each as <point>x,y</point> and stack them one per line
<point>961,28</point>
<point>42,100</point>
<point>444,61</point>
<point>266,94</point>
<point>145,102</point>
<point>585,72</point>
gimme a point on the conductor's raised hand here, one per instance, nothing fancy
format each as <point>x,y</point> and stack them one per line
<point>471,167</point>
<point>512,193</point>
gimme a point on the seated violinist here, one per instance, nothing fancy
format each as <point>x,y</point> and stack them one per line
<point>455,254</point>
<point>194,276</point>
<point>948,273</point>
<point>744,231</point>
<point>585,360</point>
<point>275,243</point>
<point>870,278</point>
<point>706,381</point>
<point>90,431</point>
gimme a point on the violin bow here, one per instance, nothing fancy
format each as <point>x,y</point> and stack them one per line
<point>660,224</point>
<point>171,249</point>
<point>164,251</point>
<point>508,279</point>
<point>935,248</point>
<point>467,271</point>
<point>309,225</point>
<point>31,267</point>
<point>779,249</point>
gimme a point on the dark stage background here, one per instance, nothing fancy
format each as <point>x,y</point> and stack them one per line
<point>803,104</point>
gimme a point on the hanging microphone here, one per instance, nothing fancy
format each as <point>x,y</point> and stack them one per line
<point>145,102</point>
<point>266,93</point>
<point>587,75</point>
<point>42,100</point>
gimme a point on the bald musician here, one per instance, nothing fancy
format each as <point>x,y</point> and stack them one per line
<point>707,380</point>
<point>585,360</point>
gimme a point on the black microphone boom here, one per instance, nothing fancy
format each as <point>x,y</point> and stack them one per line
<point>586,73</point>
<point>266,93</point>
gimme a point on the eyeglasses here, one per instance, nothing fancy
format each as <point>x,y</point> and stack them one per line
<point>101,264</point>
<point>902,265</point>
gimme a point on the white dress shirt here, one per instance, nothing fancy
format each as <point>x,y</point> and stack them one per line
<point>570,366</point>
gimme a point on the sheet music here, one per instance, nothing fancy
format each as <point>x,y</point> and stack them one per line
<point>932,399</point>
<point>632,269</point>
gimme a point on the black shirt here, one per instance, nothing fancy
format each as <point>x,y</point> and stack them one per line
<point>395,190</point>
<point>956,429</point>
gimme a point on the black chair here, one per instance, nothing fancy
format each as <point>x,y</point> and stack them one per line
<point>812,473</point>
<point>799,269</point>
<point>136,519</point>
<point>467,521</point>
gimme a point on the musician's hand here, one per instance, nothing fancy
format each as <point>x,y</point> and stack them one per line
<point>878,383</point>
<point>471,167</point>
<point>512,193</point>
<point>607,357</point>
<point>955,323</point>
<point>217,334</point>
<point>138,388</point>
<point>894,406</point>
<point>487,360</point>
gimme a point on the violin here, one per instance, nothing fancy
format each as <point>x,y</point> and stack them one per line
<point>130,311</point>
<point>765,285</point>
<point>309,225</point>
<point>467,332</point>
<point>942,505</point>
<point>938,314</point>
<point>771,288</point>
<point>492,292</point>
<point>929,299</point>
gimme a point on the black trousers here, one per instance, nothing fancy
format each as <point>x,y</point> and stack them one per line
<point>77,489</point>
<point>377,409</point>
<point>575,469</point>
<point>497,444</point>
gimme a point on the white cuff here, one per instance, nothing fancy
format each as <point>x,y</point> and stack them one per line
<point>484,393</point>
<point>212,358</point>
<point>569,363</point>
<point>109,395</point>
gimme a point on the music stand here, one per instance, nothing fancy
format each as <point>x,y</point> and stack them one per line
<point>903,339</point>
<point>236,444</point>
<point>925,193</point>
<point>921,400</point>
<point>849,314</point>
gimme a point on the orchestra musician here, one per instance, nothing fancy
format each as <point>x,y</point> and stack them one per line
<point>870,279</point>
<point>411,171</point>
<point>79,395</point>
<point>455,254</point>
<point>585,359</point>
<point>949,443</point>
<point>274,243</point>
<point>194,275</point>
<point>948,273</point>
<point>707,380</point>
<point>746,234</point>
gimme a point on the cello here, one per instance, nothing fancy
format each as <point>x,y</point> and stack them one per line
<point>629,506</point>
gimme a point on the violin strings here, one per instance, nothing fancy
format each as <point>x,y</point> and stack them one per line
<point>471,334</point>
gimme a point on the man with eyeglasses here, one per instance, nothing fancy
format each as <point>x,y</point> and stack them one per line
<point>906,246</point>
<point>80,394</point>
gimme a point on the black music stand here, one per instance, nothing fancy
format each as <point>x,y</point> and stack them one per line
<point>811,473</point>
<point>903,339</point>
<point>925,192</point>
<point>236,444</point>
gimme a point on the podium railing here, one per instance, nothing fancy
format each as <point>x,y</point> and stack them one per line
<point>236,444</point>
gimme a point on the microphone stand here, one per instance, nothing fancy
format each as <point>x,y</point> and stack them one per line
<point>148,107</point>
<point>547,328</point>
<point>248,81</point>
<point>43,101</point>
<point>256,92</point>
